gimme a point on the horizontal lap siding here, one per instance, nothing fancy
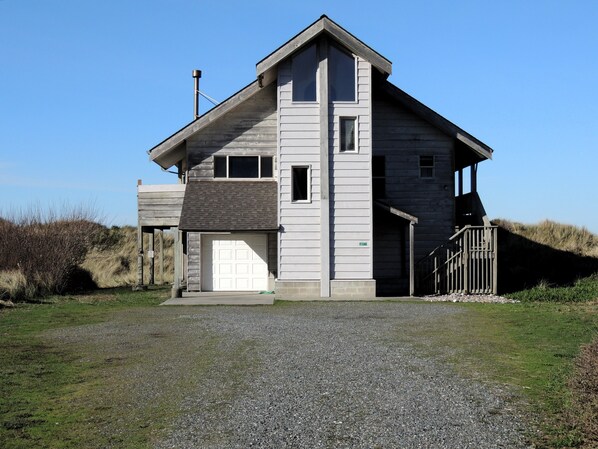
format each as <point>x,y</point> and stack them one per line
<point>159,208</point>
<point>402,137</point>
<point>350,187</point>
<point>194,261</point>
<point>299,144</point>
<point>250,129</point>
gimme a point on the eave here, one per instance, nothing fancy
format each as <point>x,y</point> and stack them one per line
<point>171,150</point>
<point>320,26</point>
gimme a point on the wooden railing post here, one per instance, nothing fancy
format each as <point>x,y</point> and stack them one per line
<point>495,260</point>
<point>466,262</point>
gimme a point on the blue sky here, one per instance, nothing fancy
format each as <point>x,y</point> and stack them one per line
<point>87,87</point>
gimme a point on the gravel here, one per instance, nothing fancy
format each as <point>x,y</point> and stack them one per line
<point>306,375</point>
<point>470,298</point>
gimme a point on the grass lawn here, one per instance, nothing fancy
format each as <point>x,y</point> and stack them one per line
<point>48,393</point>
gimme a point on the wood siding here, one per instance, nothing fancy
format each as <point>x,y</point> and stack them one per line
<point>194,261</point>
<point>299,144</point>
<point>160,205</point>
<point>249,129</point>
<point>402,138</point>
<point>350,186</point>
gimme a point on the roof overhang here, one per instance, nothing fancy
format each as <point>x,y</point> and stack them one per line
<point>480,150</point>
<point>323,25</point>
<point>385,205</point>
<point>230,206</point>
<point>172,150</point>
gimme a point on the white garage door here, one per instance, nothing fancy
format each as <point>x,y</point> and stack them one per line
<point>234,262</point>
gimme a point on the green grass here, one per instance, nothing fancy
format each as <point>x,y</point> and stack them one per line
<point>39,382</point>
<point>585,289</point>
<point>529,346</point>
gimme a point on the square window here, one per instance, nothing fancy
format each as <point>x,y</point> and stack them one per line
<point>300,184</point>
<point>426,166</point>
<point>348,129</point>
<point>304,71</point>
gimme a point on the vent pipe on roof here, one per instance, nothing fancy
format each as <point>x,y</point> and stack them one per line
<point>196,76</point>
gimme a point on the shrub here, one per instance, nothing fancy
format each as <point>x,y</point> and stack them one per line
<point>45,247</point>
<point>14,285</point>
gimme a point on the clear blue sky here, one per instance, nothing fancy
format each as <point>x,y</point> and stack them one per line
<point>88,86</point>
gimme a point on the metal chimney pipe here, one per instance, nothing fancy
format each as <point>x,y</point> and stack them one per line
<point>196,76</point>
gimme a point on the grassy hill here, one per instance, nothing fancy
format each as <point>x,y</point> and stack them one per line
<point>113,262</point>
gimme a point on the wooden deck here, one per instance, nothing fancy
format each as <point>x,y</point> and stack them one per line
<point>159,206</point>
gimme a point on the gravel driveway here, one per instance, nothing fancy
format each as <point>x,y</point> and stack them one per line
<point>298,375</point>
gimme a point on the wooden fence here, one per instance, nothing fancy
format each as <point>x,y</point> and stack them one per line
<point>466,264</point>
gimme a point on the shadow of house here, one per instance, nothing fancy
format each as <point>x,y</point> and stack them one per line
<point>523,263</point>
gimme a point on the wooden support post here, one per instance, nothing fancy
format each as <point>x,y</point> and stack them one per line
<point>466,262</point>
<point>474,178</point>
<point>460,181</point>
<point>495,261</point>
<point>411,258</point>
<point>161,243</point>
<point>176,285</point>
<point>151,255</point>
<point>139,285</point>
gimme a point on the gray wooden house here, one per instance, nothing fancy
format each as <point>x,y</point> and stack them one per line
<point>322,179</point>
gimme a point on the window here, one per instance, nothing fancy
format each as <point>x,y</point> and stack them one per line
<point>304,70</point>
<point>426,166</point>
<point>300,184</point>
<point>378,177</point>
<point>348,129</point>
<point>341,75</point>
<point>243,166</point>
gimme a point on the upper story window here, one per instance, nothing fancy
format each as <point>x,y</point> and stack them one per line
<point>341,75</point>
<point>301,189</point>
<point>348,130</point>
<point>426,166</point>
<point>243,166</point>
<point>304,72</point>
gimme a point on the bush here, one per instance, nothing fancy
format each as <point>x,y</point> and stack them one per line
<point>41,250</point>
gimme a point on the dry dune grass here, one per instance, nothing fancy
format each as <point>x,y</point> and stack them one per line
<point>574,239</point>
<point>113,263</point>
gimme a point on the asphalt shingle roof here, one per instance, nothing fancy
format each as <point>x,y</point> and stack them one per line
<point>223,206</point>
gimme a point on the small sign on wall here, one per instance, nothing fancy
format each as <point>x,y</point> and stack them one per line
<point>363,243</point>
<point>150,254</point>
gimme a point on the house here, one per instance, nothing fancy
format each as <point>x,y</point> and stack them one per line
<point>322,179</point>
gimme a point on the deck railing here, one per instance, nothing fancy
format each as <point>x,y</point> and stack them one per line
<point>466,264</point>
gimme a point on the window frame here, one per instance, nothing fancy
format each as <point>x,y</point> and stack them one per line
<point>316,81</point>
<point>432,167</point>
<point>259,166</point>
<point>379,177</point>
<point>355,134</point>
<point>308,187</point>
<point>355,75</point>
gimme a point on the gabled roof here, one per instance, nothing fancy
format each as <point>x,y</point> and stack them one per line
<point>225,206</point>
<point>437,120</point>
<point>166,153</point>
<point>320,26</point>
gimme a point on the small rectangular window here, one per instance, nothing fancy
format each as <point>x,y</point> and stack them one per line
<point>304,71</point>
<point>219,166</point>
<point>266,168</point>
<point>378,177</point>
<point>426,166</point>
<point>348,131</point>
<point>300,184</point>
<point>242,167</point>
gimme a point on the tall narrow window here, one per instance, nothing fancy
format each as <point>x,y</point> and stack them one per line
<point>341,75</point>
<point>426,166</point>
<point>220,167</point>
<point>266,167</point>
<point>348,129</point>
<point>304,70</point>
<point>378,177</point>
<point>300,184</point>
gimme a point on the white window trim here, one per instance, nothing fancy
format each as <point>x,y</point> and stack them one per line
<point>259,167</point>
<point>356,118</point>
<point>308,200</point>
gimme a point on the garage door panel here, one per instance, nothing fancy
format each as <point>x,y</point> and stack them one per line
<point>234,262</point>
